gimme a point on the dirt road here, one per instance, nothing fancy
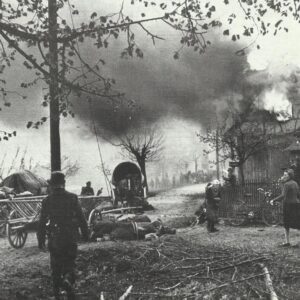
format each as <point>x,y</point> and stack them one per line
<point>177,203</point>
<point>25,273</point>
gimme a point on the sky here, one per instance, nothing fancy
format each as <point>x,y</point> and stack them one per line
<point>178,96</point>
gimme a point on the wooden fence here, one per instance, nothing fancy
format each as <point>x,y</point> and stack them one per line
<point>248,193</point>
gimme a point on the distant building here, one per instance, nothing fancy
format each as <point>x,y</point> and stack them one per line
<point>269,163</point>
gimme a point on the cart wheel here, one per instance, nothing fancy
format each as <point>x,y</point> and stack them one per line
<point>93,216</point>
<point>239,216</point>
<point>271,215</point>
<point>16,232</point>
<point>16,237</point>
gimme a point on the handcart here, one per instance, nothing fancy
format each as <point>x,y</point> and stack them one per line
<point>24,215</point>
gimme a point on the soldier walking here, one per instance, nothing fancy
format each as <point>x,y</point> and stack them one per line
<point>63,212</point>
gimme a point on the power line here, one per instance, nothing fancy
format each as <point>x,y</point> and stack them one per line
<point>107,182</point>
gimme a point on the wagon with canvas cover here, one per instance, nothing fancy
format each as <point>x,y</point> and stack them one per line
<point>128,188</point>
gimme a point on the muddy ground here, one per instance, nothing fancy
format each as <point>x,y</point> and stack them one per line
<point>152,267</point>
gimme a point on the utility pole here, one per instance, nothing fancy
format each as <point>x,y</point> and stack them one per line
<point>217,153</point>
<point>54,88</point>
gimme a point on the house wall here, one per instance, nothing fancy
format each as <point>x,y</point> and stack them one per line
<point>267,165</point>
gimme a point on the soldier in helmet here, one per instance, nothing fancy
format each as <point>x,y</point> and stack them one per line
<point>212,201</point>
<point>63,212</point>
<point>87,190</point>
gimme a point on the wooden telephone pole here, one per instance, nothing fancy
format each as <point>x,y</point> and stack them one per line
<point>54,88</point>
<point>217,154</point>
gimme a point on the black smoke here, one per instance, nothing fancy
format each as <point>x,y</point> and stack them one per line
<point>160,86</point>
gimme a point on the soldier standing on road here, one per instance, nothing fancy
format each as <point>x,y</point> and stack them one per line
<point>212,200</point>
<point>64,214</point>
<point>87,190</point>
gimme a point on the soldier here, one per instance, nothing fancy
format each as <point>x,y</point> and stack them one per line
<point>230,179</point>
<point>64,214</point>
<point>87,190</point>
<point>212,200</point>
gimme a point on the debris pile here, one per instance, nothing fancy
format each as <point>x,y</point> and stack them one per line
<point>171,269</point>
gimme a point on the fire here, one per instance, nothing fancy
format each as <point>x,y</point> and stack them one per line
<point>276,101</point>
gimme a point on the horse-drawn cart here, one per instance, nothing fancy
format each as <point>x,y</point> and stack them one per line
<point>24,214</point>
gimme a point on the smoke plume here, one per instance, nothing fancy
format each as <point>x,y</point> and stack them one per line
<point>188,88</point>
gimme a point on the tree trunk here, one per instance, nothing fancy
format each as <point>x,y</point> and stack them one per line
<point>142,165</point>
<point>53,88</point>
<point>241,173</point>
<point>196,165</point>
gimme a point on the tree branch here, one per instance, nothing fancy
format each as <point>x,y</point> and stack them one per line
<point>15,45</point>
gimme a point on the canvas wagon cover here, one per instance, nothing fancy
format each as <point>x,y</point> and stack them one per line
<point>125,169</point>
<point>26,181</point>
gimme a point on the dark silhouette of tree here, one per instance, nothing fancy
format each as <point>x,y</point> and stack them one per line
<point>142,147</point>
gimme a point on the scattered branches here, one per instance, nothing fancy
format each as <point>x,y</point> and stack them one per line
<point>268,281</point>
<point>158,264</point>
<point>126,294</point>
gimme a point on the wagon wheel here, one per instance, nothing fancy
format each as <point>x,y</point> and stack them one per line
<point>16,232</point>
<point>271,214</point>
<point>239,215</point>
<point>93,216</point>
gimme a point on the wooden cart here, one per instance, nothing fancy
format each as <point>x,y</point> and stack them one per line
<point>24,215</point>
<point>111,213</point>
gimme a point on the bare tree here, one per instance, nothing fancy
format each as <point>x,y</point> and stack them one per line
<point>69,167</point>
<point>142,147</point>
<point>19,162</point>
<point>195,160</point>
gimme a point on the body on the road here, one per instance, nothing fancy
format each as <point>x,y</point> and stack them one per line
<point>63,212</point>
